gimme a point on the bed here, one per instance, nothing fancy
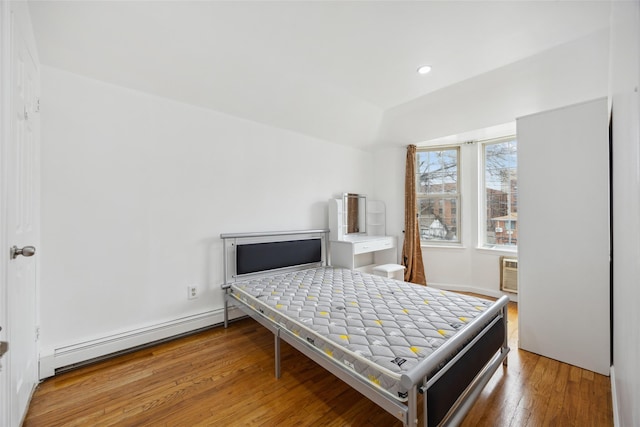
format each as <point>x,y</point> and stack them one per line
<point>388,339</point>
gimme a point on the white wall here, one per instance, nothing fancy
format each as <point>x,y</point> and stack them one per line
<point>389,167</point>
<point>564,75</point>
<point>136,190</point>
<point>624,82</point>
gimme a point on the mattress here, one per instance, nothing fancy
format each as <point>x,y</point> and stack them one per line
<point>379,328</point>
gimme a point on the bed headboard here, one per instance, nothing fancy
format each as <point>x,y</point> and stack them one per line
<point>255,254</point>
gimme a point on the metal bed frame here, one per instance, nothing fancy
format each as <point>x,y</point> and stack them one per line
<point>416,380</point>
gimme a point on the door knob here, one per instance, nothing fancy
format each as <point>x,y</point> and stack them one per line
<point>27,251</point>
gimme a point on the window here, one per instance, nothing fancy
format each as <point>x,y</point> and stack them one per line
<point>438,194</point>
<point>501,192</point>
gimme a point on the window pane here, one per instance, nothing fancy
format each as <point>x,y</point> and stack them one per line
<point>437,171</point>
<point>501,193</point>
<point>438,193</point>
<point>438,218</point>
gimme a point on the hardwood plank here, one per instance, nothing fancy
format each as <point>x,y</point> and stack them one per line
<point>225,377</point>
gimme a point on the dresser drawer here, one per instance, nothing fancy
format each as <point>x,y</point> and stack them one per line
<point>373,245</point>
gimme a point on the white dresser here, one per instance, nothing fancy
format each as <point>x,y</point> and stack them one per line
<point>363,252</point>
<point>360,251</point>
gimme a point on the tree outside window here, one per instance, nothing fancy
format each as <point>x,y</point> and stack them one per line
<point>438,194</point>
<point>501,193</point>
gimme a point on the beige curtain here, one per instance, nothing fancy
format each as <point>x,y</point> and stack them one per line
<point>411,251</point>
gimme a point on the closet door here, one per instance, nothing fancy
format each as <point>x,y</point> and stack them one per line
<point>563,247</point>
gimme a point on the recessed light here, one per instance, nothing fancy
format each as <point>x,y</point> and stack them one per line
<point>424,69</point>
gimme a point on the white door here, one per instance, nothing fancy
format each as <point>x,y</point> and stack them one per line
<point>22,228</point>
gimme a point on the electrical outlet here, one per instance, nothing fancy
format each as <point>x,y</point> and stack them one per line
<point>192,292</point>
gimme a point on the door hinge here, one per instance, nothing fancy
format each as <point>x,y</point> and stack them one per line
<point>37,333</point>
<point>37,110</point>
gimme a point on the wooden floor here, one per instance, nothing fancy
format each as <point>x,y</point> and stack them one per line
<point>225,378</point>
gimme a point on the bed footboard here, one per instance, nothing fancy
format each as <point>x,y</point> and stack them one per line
<point>450,393</point>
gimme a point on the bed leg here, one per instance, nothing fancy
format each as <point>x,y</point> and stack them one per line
<point>276,336</point>
<point>412,408</point>
<point>505,345</point>
<point>226,311</point>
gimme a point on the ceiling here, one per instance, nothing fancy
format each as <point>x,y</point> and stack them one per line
<point>328,69</point>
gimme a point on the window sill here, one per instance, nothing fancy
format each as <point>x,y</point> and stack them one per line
<point>498,250</point>
<point>481,249</point>
<point>443,246</point>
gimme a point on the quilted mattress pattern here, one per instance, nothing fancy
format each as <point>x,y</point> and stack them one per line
<point>379,328</point>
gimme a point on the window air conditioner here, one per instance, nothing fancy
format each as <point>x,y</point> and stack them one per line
<point>509,274</point>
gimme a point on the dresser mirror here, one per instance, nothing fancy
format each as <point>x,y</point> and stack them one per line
<point>355,211</point>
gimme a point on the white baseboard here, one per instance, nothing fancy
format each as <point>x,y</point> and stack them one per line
<point>614,398</point>
<point>475,290</point>
<point>88,350</point>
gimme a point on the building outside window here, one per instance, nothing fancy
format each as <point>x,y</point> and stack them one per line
<point>438,194</point>
<point>500,165</point>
